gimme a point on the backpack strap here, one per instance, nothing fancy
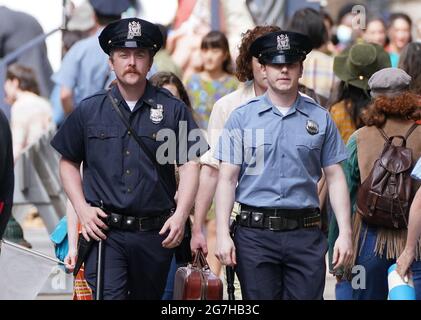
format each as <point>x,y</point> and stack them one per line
<point>410,130</point>
<point>384,135</point>
<point>408,133</point>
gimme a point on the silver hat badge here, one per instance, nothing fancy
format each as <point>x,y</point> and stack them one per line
<point>157,114</point>
<point>135,30</point>
<point>283,42</point>
<point>312,127</point>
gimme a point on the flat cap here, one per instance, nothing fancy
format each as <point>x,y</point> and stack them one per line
<point>131,33</point>
<point>281,47</point>
<point>389,82</point>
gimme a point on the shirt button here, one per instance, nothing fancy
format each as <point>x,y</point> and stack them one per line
<point>129,133</point>
<point>129,190</point>
<point>282,175</point>
<point>102,135</point>
<point>127,152</point>
<point>283,155</point>
<point>128,172</point>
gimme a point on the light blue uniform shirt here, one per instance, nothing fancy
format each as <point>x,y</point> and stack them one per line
<point>416,172</point>
<point>84,69</point>
<point>280,160</point>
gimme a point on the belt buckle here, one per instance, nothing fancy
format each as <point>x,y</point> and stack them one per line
<point>140,224</point>
<point>281,225</point>
<point>312,221</point>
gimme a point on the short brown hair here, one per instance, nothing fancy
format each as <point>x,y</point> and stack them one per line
<point>244,69</point>
<point>25,76</point>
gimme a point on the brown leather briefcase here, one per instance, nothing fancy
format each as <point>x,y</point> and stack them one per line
<point>197,281</point>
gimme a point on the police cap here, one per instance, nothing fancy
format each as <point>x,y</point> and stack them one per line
<point>110,7</point>
<point>281,47</point>
<point>131,33</point>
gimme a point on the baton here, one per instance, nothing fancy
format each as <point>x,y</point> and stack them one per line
<point>99,294</point>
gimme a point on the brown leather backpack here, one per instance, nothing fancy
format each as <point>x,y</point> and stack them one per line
<point>384,197</point>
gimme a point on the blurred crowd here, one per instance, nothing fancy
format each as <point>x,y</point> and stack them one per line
<point>202,39</point>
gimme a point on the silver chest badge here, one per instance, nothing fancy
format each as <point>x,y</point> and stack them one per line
<point>312,127</point>
<point>135,30</point>
<point>157,114</point>
<point>283,42</point>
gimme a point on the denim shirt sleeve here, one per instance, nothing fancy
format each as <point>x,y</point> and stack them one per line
<point>68,72</point>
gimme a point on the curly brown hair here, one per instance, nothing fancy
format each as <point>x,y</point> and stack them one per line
<point>405,106</point>
<point>244,70</point>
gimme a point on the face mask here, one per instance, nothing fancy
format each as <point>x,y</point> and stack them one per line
<point>344,34</point>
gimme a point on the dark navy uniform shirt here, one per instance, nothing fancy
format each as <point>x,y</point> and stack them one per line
<point>115,169</point>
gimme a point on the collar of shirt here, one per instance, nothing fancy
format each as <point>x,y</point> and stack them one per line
<point>298,105</point>
<point>148,95</point>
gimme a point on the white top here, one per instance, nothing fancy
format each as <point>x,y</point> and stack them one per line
<point>220,113</point>
<point>131,104</point>
<point>31,116</point>
<point>283,110</point>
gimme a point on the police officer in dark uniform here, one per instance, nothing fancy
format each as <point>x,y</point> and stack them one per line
<point>275,147</point>
<point>127,195</point>
<point>6,173</point>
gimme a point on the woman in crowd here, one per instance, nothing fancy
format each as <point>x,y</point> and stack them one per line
<point>399,32</point>
<point>216,78</point>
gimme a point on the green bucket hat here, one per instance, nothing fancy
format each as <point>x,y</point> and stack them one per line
<point>357,64</point>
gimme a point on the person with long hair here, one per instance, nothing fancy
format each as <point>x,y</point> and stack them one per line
<point>170,81</point>
<point>216,78</point>
<point>399,32</point>
<point>375,31</point>
<point>410,62</point>
<point>354,67</point>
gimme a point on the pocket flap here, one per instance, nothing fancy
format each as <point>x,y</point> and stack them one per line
<point>102,132</point>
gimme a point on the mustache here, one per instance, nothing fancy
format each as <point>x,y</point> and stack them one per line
<point>130,71</point>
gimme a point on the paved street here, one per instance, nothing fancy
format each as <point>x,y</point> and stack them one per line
<point>38,237</point>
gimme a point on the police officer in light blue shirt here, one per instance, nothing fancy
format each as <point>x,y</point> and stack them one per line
<point>84,69</point>
<point>275,148</point>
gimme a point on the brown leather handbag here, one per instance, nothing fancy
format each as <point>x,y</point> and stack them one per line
<point>385,196</point>
<point>197,281</point>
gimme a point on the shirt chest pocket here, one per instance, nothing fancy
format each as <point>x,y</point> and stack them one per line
<point>257,149</point>
<point>104,143</point>
<point>309,149</point>
<point>309,142</point>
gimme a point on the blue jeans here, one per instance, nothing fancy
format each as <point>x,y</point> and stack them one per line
<point>376,286</point>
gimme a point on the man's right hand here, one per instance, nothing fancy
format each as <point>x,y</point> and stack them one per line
<point>225,250</point>
<point>198,241</point>
<point>92,225</point>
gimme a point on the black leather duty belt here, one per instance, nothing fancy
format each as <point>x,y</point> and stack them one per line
<point>278,219</point>
<point>122,222</point>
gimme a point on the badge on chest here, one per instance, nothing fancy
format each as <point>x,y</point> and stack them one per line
<point>312,127</point>
<point>157,113</point>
